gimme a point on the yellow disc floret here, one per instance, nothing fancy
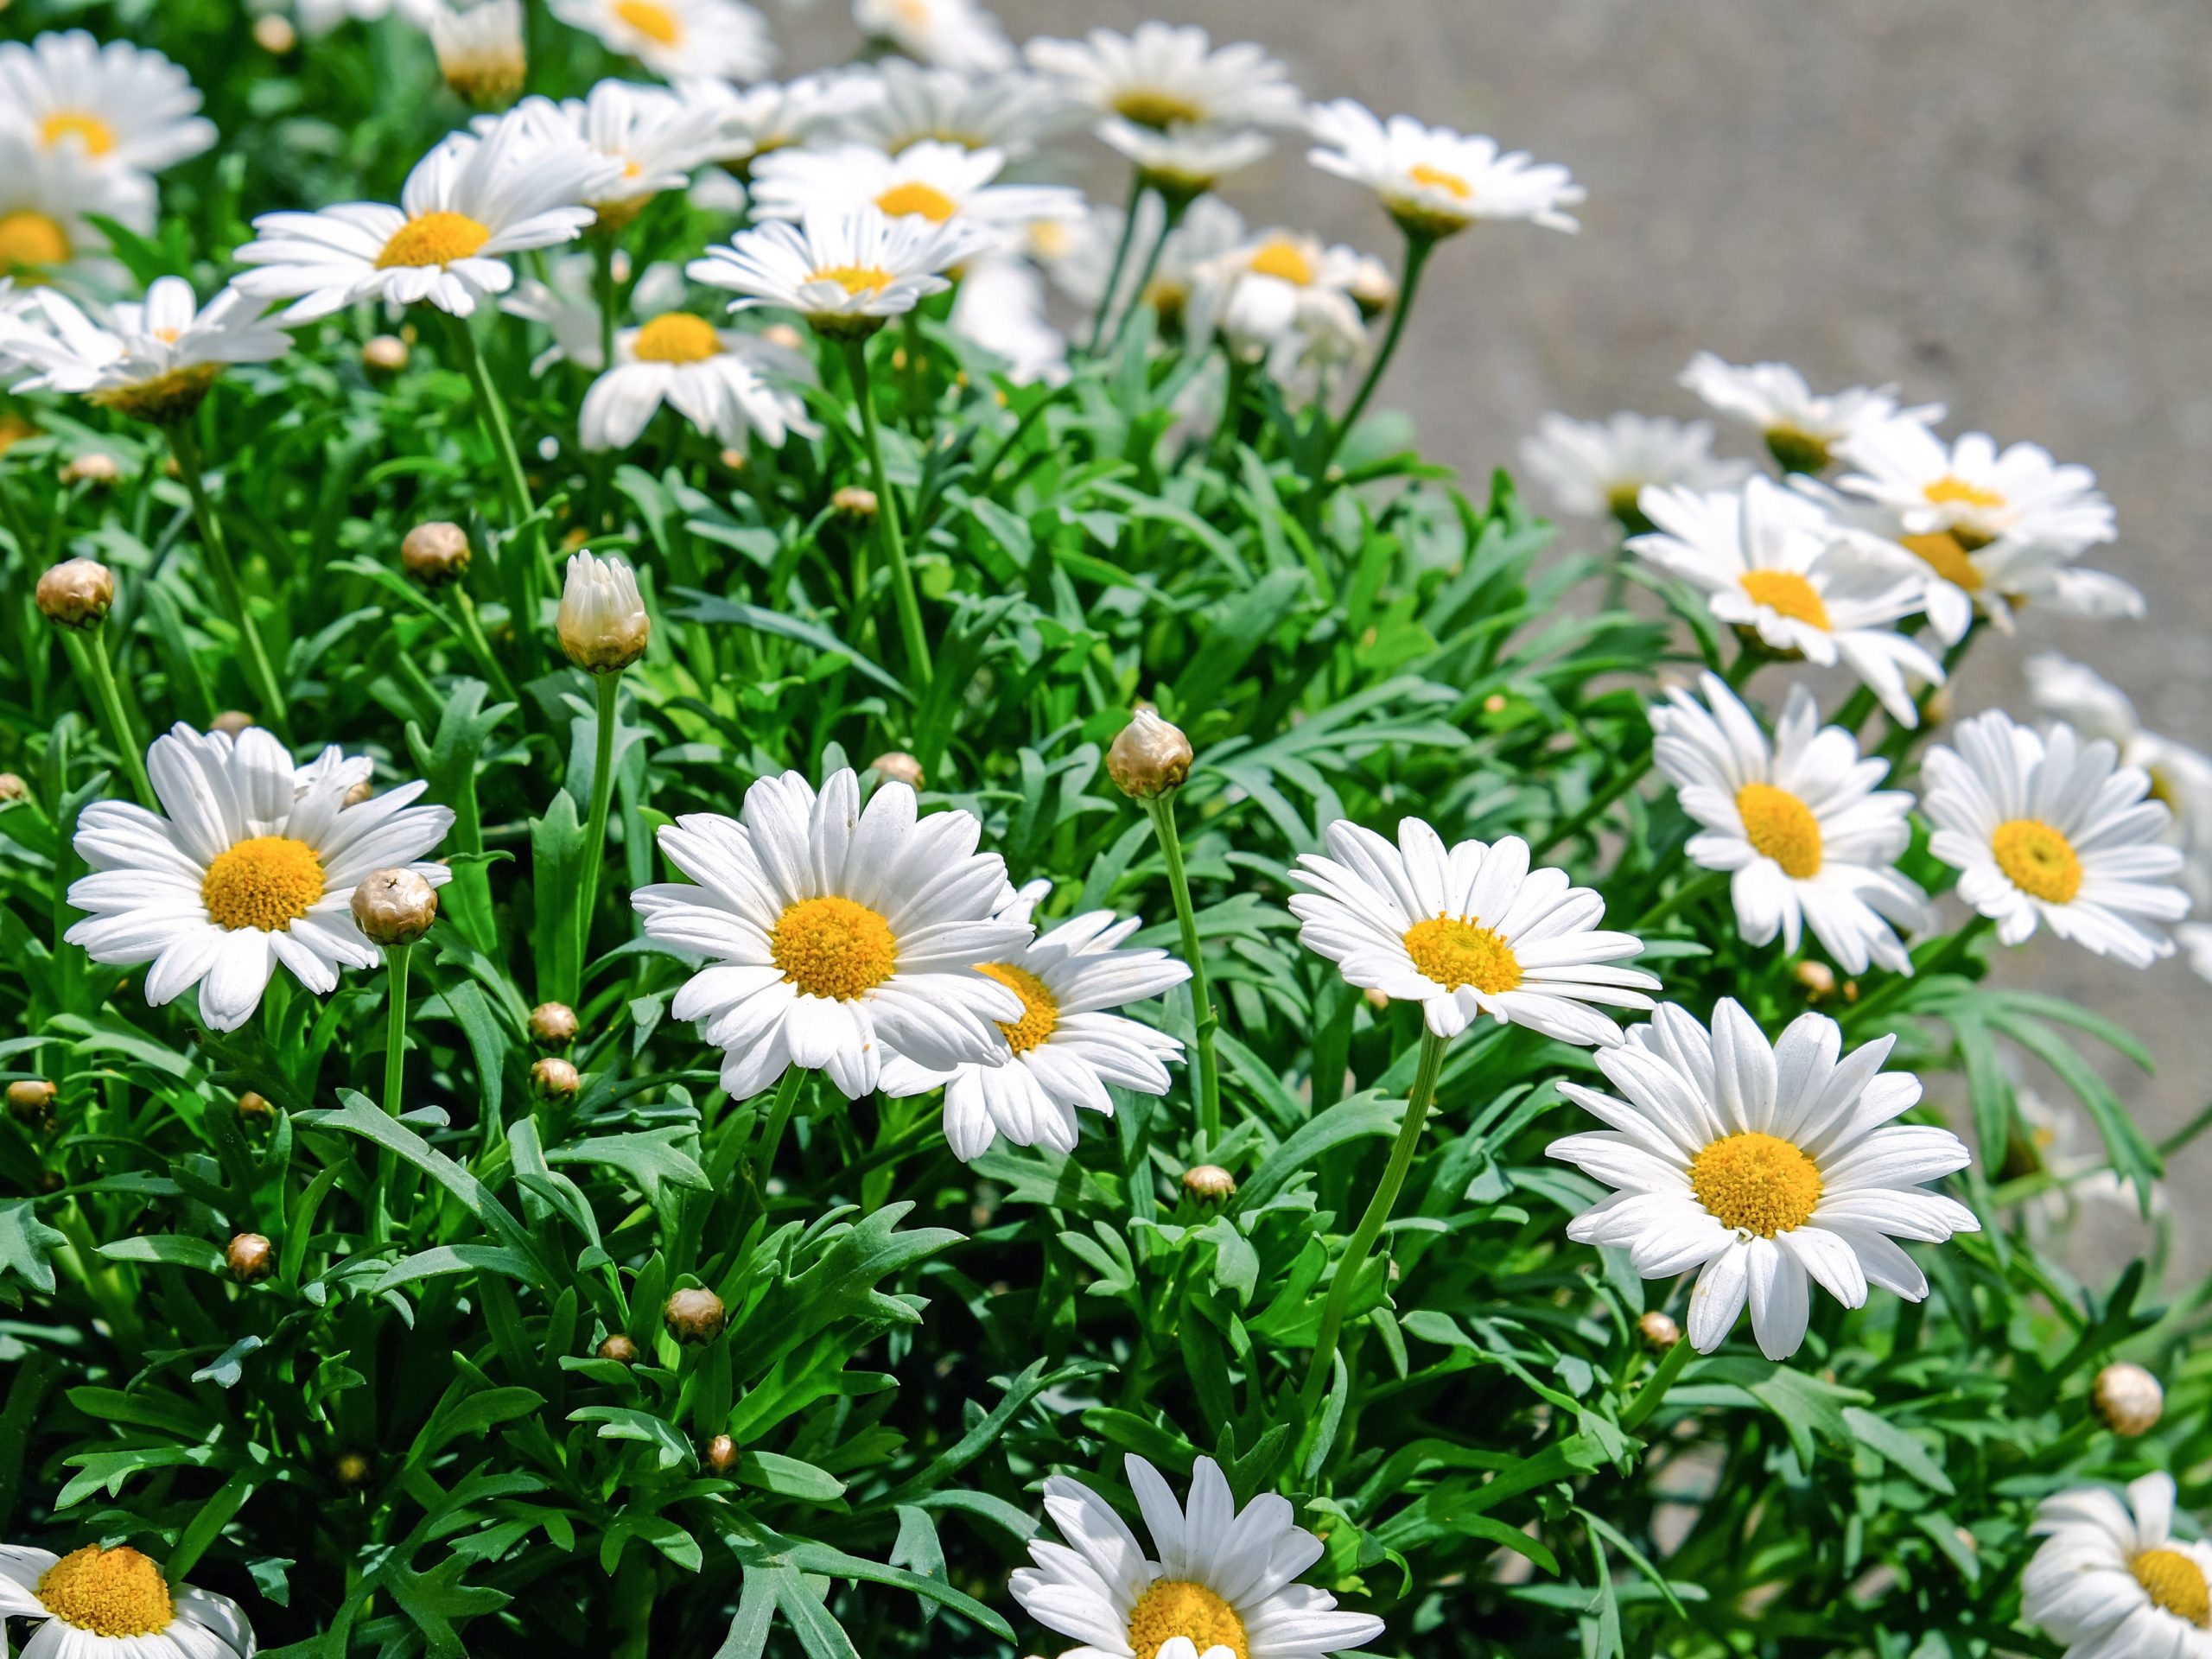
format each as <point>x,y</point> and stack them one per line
<point>2039,860</point>
<point>1755,1183</point>
<point>1781,827</point>
<point>269,883</point>
<point>1174,1607</point>
<point>94,134</point>
<point>434,239</point>
<point>31,242</point>
<point>1284,260</point>
<point>2174,1584</point>
<point>1787,592</point>
<point>1951,490</point>
<point>833,947</point>
<point>111,1592</point>
<point>1435,178</point>
<point>678,337</point>
<point>1944,554</point>
<point>1454,953</point>
<point>854,279</point>
<point>654,22</point>
<point>921,200</point>
<point>1040,1009</point>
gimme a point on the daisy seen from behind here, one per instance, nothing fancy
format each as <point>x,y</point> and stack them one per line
<point>1801,427</point>
<point>1767,1167</point>
<point>2110,1578</point>
<point>898,103</point>
<point>1164,75</point>
<point>725,40</point>
<point>156,360</point>
<point>2048,829</point>
<point>114,1604</point>
<point>116,104</point>
<point>724,383</point>
<point>1216,1578</point>
<point>1182,163</point>
<point>1597,468</point>
<point>932,180</point>
<point>1434,181</point>
<point>847,273</point>
<point>951,34</point>
<point>246,868</point>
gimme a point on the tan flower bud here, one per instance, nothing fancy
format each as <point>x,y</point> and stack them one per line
<point>1376,999</point>
<point>274,33</point>
<point>735,459</point>
<point>553,1024</point>
<point>554,1079</point>
<point>252,1106</point>
<point>722,1454</point>
<point>1149,758</point>
<point>395,906</point>
<point>435,553</point>
<point>248,1256</point>
<point>13,788</point>
<point>77,593</point>
<point>1818,979</point>
<point>619,1349</point>
<point>783,335</point>
<point>693,1316</point>
<point>384,354</point>
<point>30,1099</point>
<point>1659,1330</point>
<point>353,1469</point>
<point>897,766</point>
<point>95,466</point>
<point>1209,1183</point>
<point>603,625</point>
<point>855,502</point>
<point>232,721</point>
<point>2128,1399</point>
<point>1373,289</point>
<point>361,792</point>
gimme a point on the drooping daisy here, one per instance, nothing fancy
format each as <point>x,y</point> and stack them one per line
<point>2055,830</point>
<point>158,359</point>
<point>565,303</point>
<point>1769,560</point>
<point>1466,930</point>
<point>48,198</point>
<point>1971,490</point>
<point>467,203</point>
<point>114,1604</point>
<point>836,937</point>
<point>1167,75</point>
<point>726,384</point>
<point>1763,1165</point>
<point>1598,467</point>
<point>847,273</point>
<point>1801,427</point>
<point>2110,1580</point>
<point>1810,838</point>
<point>244,870</point>
<point>756,120</point>
<point>1067,1045</point>
<point>1435,182</point>
<point>933,182</point>
<point>480,51</point>
<point>653,137</point>
<point>1216,1577</point>
<point>1184,162</point>
<point>1002,307</point>
<point>116,105</point>
<point>951,34</point>
<point>897,103</point>
<point>726,39</point>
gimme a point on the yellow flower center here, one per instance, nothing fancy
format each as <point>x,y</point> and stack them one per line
<point>854,279</point>
<point>654,20</point>
<point>1454,953</point>
<point>833,947</point>
<point>1435,178</point>
<point>1040,1009</point>
<point>2037,859</point>
<point>269,882</point>
<point>1951,490</point>
<point>1755,1183</point>
<point>1151,107</point>
<point>1782,827</point>
<point>924,200</point>
<point>111,1592</point>
<point>1944,554</point>
<point>1174,1607</point>
<point>678,337</point>
<point>97,136</point>
<point>434,239</point>
<point>2174,1584</point>
<point>31,241</point>
<point>1282,260</point>
<point>1789,593</point>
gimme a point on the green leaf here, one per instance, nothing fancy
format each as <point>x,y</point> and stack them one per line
<point>25,1244</point>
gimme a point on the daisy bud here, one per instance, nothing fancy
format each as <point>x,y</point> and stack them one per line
<point>28,1099</point>
<point>232,721</point>
<point>619,1349</point>
<point>354,1469</point>
<point>1149,758</point>
<point>855,502</point>
<point>1373,289</point>
<point>897,766</point>
<point>13,788</point>
<point>384,354</point>
<point>77,593</point>
<point>722,1454</point>
<point>361,792</point>
<point>1938,707</point>
<point>435,553</point>
<point>603,625</point>
<point>395,906</point>
<point>252,1106</point>
<point>2128,1399</point>
<point>783,335</point>
<point>1818,979</point>
<point>248,1256</point>
<point>554,1079</point>
<point>733,460</point>
<point>274,33</point>
<point>1659,1330</point>
<point>693,1316</point>
<point>1376,998</point>
<point>1209,1183</point>
<point>553,1024</point>
<point>94,467</point>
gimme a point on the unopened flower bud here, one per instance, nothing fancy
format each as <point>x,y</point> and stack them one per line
<point>252,1106</point>
<point>29,1098</point>
<point>897,766</point>
<point>77,593</point>
<point>735,459</point>
<point>395,906</point>
<point>693,1316</point>
<point>361,792</point>
<point>855,502</point>
<point>248,1256</point>
<point>1376,999</point>
<point>1149,758</point>
<point>553,1024</point>
<point>783,335</point>
<point>1659,1330</point>
<point>722,1454</point>
<point>1818,979</point>
<point>232,721</point>
<point>13,788</point>
<point>2128,1399</point>
<point>94,467</point>
<point>603,625</point>
<point>1209,1183</point>
<point>353,1469</point>
<point>384,354</point>
<point>435,553</point>
<point>619,1349</point>
<point>554,1079</point>
<point>274,33</point>
<point>1372,288</point>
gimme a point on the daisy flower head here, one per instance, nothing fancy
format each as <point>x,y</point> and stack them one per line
<point>1068,1045</point>
<point>677,39</point>
<point>951,34</point>
<point>2110,1579</point>
<point>114,1604</point>
<point>1972,490</point>
<point>933,182</point>
<point>727,385</point>
<point>1593,468</point>
<point>48,198</point>
<point>1808,837</point>
<point>480,50</point>
<point>566,304</point>
<point>898,103</point>
<point>1275,294</point>
<point>1763,1165</point>
<point>847,273</point>
<point>244,869</point>
<point>751,122</point>
<point>1183,161</point>
<point>1215,1578</point>
<point>467,204</point>
<point>1002,307</point>
<point>1801,427</point>
<point>1167,75</point>
<point>837,937</point>
<point>1769,561</point>
<point>117,105</point>
<point>156,360</point>
<point>1466,930</point>
<point>652,137</point>
<point>2048,829</point>
<point>1434,182</point>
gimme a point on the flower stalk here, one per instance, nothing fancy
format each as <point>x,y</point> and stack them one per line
<point>258,671</point>
<point>1161,808</point>
<point>887,521</point>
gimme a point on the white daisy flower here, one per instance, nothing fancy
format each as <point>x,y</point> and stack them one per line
<point>1769,560</point>
<point>1973,491</point>
<point>480,50</point>
<point>653,137</point>
<point>726,39</point>
<point>1593,468</point>
<point>837,937</point>
<point>1466,930</point>
<point>1184,162</point>
<point>1216,1578</point>
<point>847,273</point>
<point>567,305</point>
<point>157,358</point>
<point>1066,1047</point>
<point>467,203</point>
<point>1277,294</point>
<point>114,1604</point>
<point>2195,940</point>
<point>116,105</point>
<point>930,181</point>
<point>726,384</point>
<point>1801,427</point>
<point>320,16</point>
<point>1167,75</point>
<point>1763,1165</point>
<point>951,34</point>
<point>753,121</point>
<point>1080,257</point>
<point>1435,182</point>
<point>1002,307</point>
<point>48,198</point>
<point>2111,1581</point>
<point>898,103</point>
<point>1810,838</point>
<point>2054,830</point>
<point>2058,1143</point>
<point>243,870</point>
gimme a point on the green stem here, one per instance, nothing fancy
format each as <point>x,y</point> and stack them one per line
<point>1169,221</point>
<point>186,447</point>
<point>779,1117</point>
<point>602,251</point>
<point>1623,781</point>
<point>1226,433</point>
<point>118,718</point>
<point>1685,892</point>
<point>395,959</point>
<point>1649,1397</point>
<point>1120,257</point>
<point>472,630</point>
<point>913,385</point>
<point>1418,248</point>
<point>1161,810</point>
<point>602,791</point>
<point>887,521</point>
<point>1349,1265</point>
<point>514,483</point>
<point>1942,957</point>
